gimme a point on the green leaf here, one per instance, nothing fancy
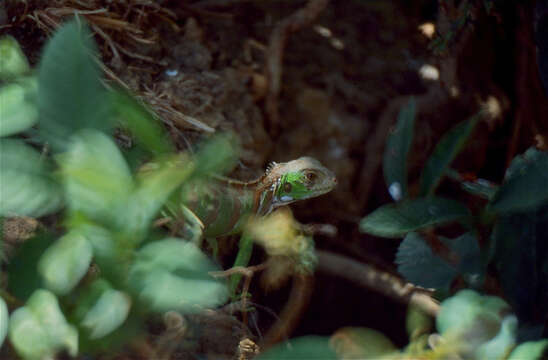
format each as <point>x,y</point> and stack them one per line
<point>502,343</point>
<point>13,62</point>
<point>525,182</point>
<point>396,220</point>
<point>420,266</point>
<point>97,178</point>
<point>479,187</point>
<point>17,112</point>
<point>65,263</point>
<point>152,191</point>
<point>361,343</point>
<point>173,275</point>
<point>302,348</point>
<point>532,350</point>
<point>134,116</point>
<point>468,313</point>
<point>110,311</point>
<point>469,261</point>
<point>26,188</point>
<point>4,320</point>
<point>217,155</point>
<point>39,329</point>
<point>417,322</point>
<point>70,94</point>
<point>397,147</point>
<point>444,153</point>
<point>22,269</point>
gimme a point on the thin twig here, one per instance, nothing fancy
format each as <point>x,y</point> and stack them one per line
<point>379,281</point>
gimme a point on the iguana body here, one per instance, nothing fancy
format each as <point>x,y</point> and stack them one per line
<point>224,205</point>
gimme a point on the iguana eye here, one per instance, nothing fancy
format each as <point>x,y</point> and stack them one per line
<point>310,176</point>
<point>287,187</point>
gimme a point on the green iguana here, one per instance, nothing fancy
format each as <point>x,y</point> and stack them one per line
<point>224,205</point>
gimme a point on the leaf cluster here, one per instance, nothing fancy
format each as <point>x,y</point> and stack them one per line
<point>91,286</point>
<point>501,241</point>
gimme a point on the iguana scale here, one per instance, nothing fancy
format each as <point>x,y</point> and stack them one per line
<point>224,205</point>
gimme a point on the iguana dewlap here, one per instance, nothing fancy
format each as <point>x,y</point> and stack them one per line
<point>224,205</point>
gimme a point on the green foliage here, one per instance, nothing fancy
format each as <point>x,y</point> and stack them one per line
<point>303,348</point>
<point>26,183</point>
<point>417,323</point>
<point>362,343</point>
<point>108,215</point>
<point>64,263</point>
<point>22,269</point>
<point>134,116</point>
<point>533,350</point>
<point>396,150</point>
<point>479,187</point>
<point>173,275</point>
<point>524,186</point>
<point>396,220</point>
<point>4,320</point>
<point>414,255</point>
<point>38,329</point>
<point>107,314</point>
<point>13,62</point>
<point>17,112</point>
<point>444,153</point>
<point>515,215</point>
<point>70,94</point>
<point>478,327</point>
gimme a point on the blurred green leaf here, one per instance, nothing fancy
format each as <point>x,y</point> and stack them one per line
<point>26,187</point>
<point>70,94</point>
<point>302,348</point>
<point>13,62</point>
<point>65,262</point>
<point>396,220</point>
<point>134,116</point>
<point>152,191</point>
<point>470,314</point>
<point>444,153</point>
<point>217,155</point>
<point>17,112</point>
<point>164,176</point>
<point>173,275</point>
<point>39,329</point>
<point>502,343</point>
<point>531,350</point>
<point>469,262</point>
<point>479,187</point>
<point>87,296</point>
<point>97,178</point>
<point>417,322</point>
<point>22,270</point>
<point>420,266</point>
<point>361,343</point>
<point>524,187</point>
<point>4,320</point>
<point>110,311</point>
<point>396,149</point>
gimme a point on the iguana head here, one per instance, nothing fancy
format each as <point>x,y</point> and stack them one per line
<point>300,179</point>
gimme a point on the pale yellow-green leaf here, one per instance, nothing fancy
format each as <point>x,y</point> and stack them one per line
<point>110,311</point>
<point>64,263</point>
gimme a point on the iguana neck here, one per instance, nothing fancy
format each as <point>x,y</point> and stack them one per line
<point>263,190</point>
